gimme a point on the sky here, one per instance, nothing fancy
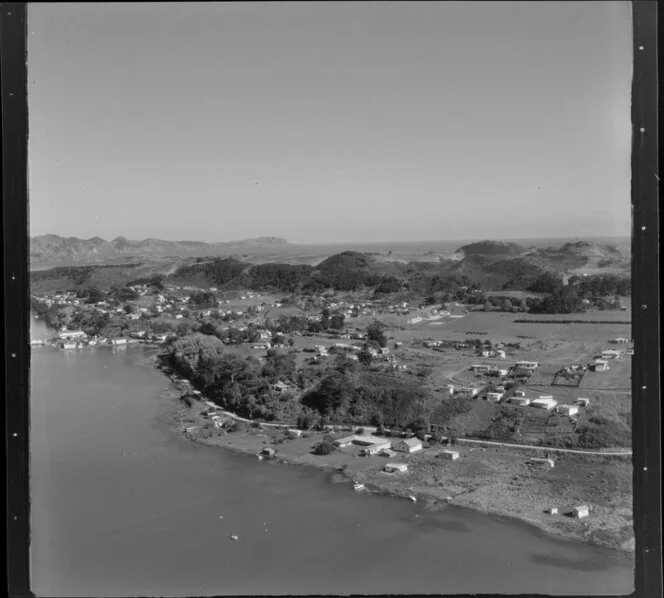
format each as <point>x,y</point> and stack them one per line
<point>330,122</point>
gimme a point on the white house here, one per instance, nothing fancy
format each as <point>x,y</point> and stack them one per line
<point>543,403</point>
<point>119,341</point>
<point>295,433</point>
<point>519,393</point>
<point>68,334</point>
<point>567,409</point>
<point>581,511</point>
<point>467,390</point>
<point>396,467</point>
<point>601,365</point>
<point>407,445</point>
<point>480,368</point>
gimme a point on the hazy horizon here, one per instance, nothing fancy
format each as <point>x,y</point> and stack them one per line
<point>328,123</point>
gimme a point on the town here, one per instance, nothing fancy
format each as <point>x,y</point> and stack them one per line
<point>344,379</point>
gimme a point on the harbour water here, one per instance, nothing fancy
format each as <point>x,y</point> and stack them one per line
<point>123,506</point>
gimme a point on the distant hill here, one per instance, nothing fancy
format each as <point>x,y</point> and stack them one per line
<point>491,248</point>
<point>53,249</point>
<point>263,264</point>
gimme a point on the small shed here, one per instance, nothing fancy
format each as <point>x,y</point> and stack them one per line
<point>494,397</point>
<point>451,455</point>
<point>396,467</point>
<point>519,393</point>
<point>580,512</point>
<point>540,461</point>
<point>294,433</point>
<point>268,452</point>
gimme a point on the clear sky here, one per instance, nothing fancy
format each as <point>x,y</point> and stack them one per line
<point>323,122</point>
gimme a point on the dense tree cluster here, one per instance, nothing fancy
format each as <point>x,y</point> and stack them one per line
<point>203,300</point>
<point>602,285</point>
<point>565,300</point>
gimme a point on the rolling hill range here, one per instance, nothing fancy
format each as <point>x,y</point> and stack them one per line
<point>255,263</point>
<point>55,250</point>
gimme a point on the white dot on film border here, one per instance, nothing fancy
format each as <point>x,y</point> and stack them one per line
<point>641,48</point>
<point>642,130</point>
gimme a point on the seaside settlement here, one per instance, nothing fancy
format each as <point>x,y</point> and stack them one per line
<point>510,413</point>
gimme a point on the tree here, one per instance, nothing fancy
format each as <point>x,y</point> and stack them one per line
<point>325,446</point>
<point>375,333</point>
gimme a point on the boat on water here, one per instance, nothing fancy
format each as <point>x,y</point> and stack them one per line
<point>358,486</point>
<point>234,537</point>
<point>412,498</point>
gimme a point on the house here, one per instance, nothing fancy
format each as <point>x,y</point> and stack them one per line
<point>259,346</point>
<point>543,403</point>
<point>582,402</point>
<point>611,354</point>
<point>619,340</point>
<point>69,345</point>
<point>581,511</point>
<point>523,401</point>
<point>447,454</point>
<point>567,409</point>
<point>69,334</point>
<point>119,341</point>
<point>376,448</point>
<point>292,433</point>
<point>478,368</point>
<point>268,452</point>
<point>280,386</point>
<point>264,336</point>
<point>527,365</point>
<point>600,365</point>
<point>494,397</point>
<point>396,467</point>
<point>343,442</point>
<point>500,354</point>
<point>407,445</point>
<point>467,390</point>
<point>388,452</point>
<point>498,372</point>
<point>519,393</point>
<point>629,352</point>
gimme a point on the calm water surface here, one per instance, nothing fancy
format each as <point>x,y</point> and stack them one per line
<point>122,506</point>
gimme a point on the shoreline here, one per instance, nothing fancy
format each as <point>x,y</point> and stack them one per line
<point>188,423</point>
